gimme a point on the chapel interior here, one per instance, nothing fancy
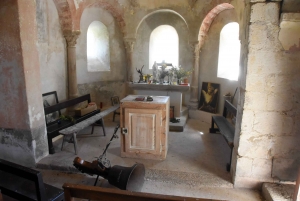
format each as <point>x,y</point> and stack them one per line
<point>98,47</point>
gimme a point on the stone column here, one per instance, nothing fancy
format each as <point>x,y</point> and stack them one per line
<point>129,42</point>
<point>194,101</point>
<point>71,37</point>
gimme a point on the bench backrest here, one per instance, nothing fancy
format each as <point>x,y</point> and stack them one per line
<point>67,103</point>
<point>98,193</point>
<point>17,172</point>
<point>229,107</point>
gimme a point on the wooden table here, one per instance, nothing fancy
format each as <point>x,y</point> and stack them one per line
<point>144,127</point>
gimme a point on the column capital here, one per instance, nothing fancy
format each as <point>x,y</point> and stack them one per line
<point>195,46</point>
<point>129,42</point>
<point>71,37</point>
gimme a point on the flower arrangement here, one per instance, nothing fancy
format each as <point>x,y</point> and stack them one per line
<point>181,72</point>
<point>163,72</point>
<point>148,76</point>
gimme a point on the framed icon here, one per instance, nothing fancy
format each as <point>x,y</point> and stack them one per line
<point>209,97</point>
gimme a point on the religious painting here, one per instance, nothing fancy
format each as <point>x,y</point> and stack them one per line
<point>209,97</point>
<point>115,100</point>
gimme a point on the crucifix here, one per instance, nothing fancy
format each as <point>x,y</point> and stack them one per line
<point>163,62</point>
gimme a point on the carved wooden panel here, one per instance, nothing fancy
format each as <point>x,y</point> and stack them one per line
<point>143,130</point>
<point>144,127</point>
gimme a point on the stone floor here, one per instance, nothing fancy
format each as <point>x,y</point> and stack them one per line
<point>195,165</point>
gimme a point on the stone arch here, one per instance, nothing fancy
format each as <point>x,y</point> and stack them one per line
<point>209,18</point>
<point>111,6</point>
<point>64,13</point>
<point>144,30</point>
<point>160,11</point>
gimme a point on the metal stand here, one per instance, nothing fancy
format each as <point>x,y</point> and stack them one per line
<point>102,160</point>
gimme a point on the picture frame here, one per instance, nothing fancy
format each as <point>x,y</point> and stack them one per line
<point>115,100</point>
<point>49,99</point>
<point>209,97</point>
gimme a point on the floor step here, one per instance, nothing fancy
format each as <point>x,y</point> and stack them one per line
<point>275,192</point>
<point>186,178</point>
<point>179,126</point>
<point>184,111</point>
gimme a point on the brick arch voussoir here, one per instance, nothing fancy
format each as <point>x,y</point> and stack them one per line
<point>209,18</point>
<point>64,13</point>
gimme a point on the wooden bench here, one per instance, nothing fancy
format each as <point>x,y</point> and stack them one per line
<point>99,193</point>
<point>225,127</point>
<point>70,132</point>
<point>54,127</point>
<point>23,183</point>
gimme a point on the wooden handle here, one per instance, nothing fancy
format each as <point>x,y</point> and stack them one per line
<point>89,168</point>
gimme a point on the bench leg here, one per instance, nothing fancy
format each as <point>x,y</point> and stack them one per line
<point>63,142</point>
<point>50,146</point>
<point>99,123</point>
<point>103,127</point>
<point>75,142</point>
<point>212,128</point>
<point>72,139</point>
<point>93,128</point>
<point>228,166</point>
<point>114,116</point>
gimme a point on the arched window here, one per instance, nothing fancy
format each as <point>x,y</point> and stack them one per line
<point>163,45</point>
<point>229,52</point>
<point>98,55</point>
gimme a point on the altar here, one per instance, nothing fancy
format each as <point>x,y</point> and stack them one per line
<point>144,127</point>
<point>173,91</point>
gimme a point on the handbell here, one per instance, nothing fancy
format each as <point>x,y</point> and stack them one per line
<point>127,178</point>
<point>124,178</point>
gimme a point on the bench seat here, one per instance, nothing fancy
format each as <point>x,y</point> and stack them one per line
<point>224,127</point>
<point>70,132</point>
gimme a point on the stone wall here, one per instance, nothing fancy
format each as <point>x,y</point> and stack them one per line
<point>52,50</point>
<point>22,127</point>
<point>266,146</point>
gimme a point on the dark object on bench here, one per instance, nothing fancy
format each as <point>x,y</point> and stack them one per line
<point>54,127</point>
<point>225,127</point>
<point>23,183</point>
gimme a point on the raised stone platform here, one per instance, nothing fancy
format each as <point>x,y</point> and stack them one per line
<point>276,192</point>
<point>179,126</point>
<point>159,87</point>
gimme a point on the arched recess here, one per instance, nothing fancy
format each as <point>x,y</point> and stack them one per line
<point>145,28</point>
<point>115,43</point>
<point>159,11</point>
<point>204,28</point>
<point>112,6</point>
<point>69,15</point>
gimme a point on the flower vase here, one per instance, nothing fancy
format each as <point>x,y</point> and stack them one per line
<point>178,81</point>
<point>186,80</point>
